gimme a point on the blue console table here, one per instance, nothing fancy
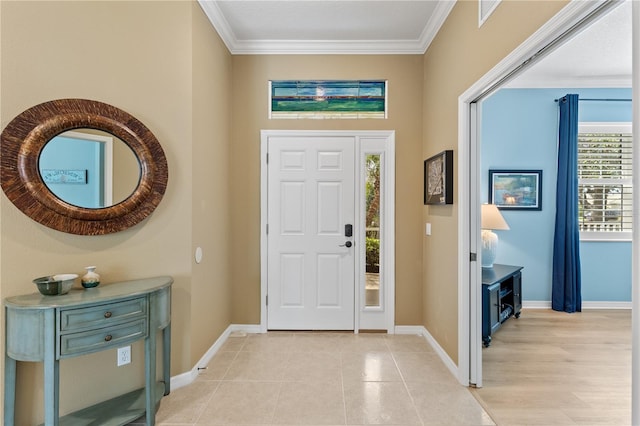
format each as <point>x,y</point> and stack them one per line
<point>50,328</point>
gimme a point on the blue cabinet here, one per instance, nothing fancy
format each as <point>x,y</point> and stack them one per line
<point>501,297</point>
<point>50,328</point>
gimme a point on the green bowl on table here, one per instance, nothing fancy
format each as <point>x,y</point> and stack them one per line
<point>55,285</point>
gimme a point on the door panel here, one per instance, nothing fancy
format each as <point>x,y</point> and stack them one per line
<point>329,280</point>
<point>311,199</point>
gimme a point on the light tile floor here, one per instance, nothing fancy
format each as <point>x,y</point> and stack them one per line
<point>303,378</point>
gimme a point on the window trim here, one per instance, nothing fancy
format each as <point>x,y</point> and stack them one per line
<point>605,127</point>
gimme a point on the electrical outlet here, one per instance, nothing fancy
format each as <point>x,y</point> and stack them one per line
<point>124,355</point>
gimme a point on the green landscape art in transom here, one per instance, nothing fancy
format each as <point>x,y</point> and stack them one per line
<point>330,96</point>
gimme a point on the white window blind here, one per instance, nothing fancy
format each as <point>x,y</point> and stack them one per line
<point>605,203</point>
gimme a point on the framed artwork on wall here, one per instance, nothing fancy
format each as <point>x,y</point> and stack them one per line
<point>438,178</point>
<point>516,189</point>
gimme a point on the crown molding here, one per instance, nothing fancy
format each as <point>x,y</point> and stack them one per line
<point>220,24</point>
<point>319,47</point>
<point>440,14</point>
<point>328,47</point>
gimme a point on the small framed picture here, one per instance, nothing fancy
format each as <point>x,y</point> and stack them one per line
<point>438,178</point>
<point>64,176</point>
<point>516,189</point>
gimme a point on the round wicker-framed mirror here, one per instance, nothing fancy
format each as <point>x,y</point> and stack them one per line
<point>24,138</point>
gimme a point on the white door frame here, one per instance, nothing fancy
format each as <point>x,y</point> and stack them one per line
<point>366,141</point>
<point>635,284</point>
<point>469,273</point>
<point>107,185</point>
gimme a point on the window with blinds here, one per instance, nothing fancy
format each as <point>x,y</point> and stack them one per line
<point>328,99</point>
<point>605,203</point>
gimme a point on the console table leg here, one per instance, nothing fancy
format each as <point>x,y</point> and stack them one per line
<point>51,393</point>
<point>51,374</point>
<point>166,358</point>
<point>9,390</point>
<point>150,376</point>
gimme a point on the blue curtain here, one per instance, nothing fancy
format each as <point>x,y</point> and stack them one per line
<point>566,286</point>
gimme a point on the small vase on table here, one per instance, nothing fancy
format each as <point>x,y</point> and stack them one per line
<point>91,279</point>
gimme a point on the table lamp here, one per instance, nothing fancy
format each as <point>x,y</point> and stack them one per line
<point>491,219</point>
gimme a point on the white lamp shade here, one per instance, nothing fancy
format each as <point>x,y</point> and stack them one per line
<point>491,219</point>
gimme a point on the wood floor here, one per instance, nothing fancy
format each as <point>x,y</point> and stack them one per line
<point>554,368</point>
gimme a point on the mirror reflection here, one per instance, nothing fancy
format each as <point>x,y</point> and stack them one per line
<point>89,168</point>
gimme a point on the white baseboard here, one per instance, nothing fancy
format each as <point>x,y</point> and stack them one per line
<point>606,305</point>
<point>409,329</point>
<point>187,378</point>
<point>536,304</point>
<point>545,304</point>
<point>246,328</point>
<point>442,354</point>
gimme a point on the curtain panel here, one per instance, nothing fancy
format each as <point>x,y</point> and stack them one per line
<point>566,293</point>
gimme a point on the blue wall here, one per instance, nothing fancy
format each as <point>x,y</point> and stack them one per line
<point>519,131</point>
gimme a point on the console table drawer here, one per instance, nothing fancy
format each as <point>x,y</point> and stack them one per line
<point>102,315</point>
<point>73,344</point>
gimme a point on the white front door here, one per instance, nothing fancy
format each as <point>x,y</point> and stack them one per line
<point>311,202</point>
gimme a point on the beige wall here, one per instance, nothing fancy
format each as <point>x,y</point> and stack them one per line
<point>211,298</point>
<point>250,114</point>
<point>150,59</point>
<point>461,54</point>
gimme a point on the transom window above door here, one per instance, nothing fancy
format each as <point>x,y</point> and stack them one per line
<point>321,99</point>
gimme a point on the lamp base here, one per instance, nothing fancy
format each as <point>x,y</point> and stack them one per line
<point>489,248</point>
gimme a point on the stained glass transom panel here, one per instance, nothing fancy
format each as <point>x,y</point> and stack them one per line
<point>328,99</point>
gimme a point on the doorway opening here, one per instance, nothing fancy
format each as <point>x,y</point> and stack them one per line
<point>575,17</point>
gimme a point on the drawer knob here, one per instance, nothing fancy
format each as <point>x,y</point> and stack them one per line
<point>107,314</point>
<point>108,338</point>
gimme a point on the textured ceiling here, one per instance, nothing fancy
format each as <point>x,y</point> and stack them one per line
<point>330,26</point>
<point>600,53</point>
<point>327,20</point>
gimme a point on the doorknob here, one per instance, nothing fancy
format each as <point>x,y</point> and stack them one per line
<point>347,244</point>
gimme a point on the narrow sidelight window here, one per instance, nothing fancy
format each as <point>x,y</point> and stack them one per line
<point>372,229</point>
